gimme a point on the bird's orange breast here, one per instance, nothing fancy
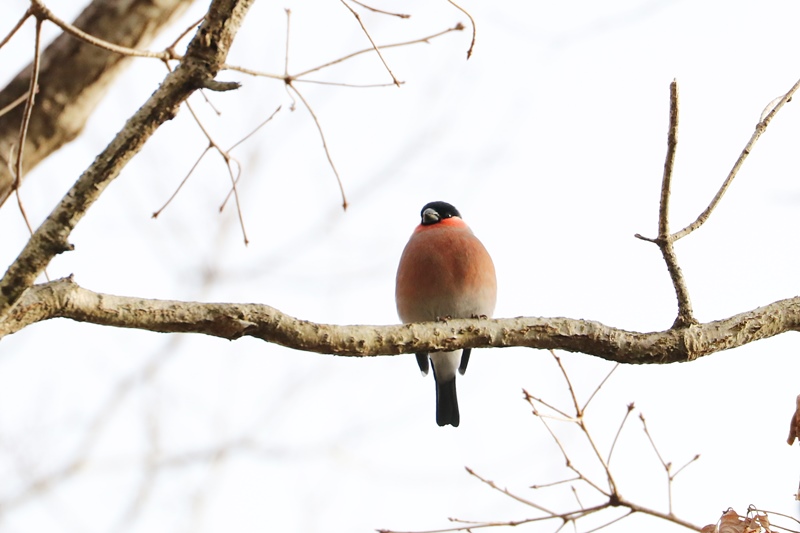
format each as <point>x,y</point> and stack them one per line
<point>445,271</point>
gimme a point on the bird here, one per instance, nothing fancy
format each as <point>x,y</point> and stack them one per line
<point>444,272</point>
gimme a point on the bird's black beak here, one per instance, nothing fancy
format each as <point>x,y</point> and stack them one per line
<point>430,216</point>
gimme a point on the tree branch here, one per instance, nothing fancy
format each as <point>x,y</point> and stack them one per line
<point>64,298</point>
<point>205,55</point>
<point>74,75</point>
<point>761,127</point>
<point>665,240</point>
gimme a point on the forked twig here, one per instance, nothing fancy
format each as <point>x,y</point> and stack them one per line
<point>193,26</point>
<point>240,141</point>
<point>667,465</point>
<point>665,240</point>
<point>565,375</point>
<point>508,492</point>
<point>584,506</point>
<point>299,75</point>
<point>371,41</point>
<point>292,91</point>
<point>580,420</point>
<point>227,158</point>
<point>457,27</point>
<point>531,399</point>
<point>42,12</point>
<point>472,22</point>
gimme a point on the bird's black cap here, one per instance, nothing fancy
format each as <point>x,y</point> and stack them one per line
<point>437,211</point>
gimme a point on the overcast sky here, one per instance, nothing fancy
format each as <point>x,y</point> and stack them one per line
<point>550,140</point>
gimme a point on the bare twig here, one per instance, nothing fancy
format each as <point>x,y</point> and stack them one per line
<point>13,104</point>
<point>299,76</point>
<point>457,27</point>
<point>157,212</point>
<point>193,26</point>
<point>580,420</point>
<point>226,156</point>
<point>509,493</point>
<point>205,54</point>
<point>16,28</point>
<point>255,130</point>
<point>565,375</point>
<point>555,483</point>
<point>575,419</point>
<point>666,465</point>
<point>286,47</point>
<point>292,89</point>
<point>372,42</point>
<point>619,432</point>
<point>26,118</point>
<point>759,130</point>
<point>234,181</point>
<point>382,12</point>
<point>534,399</point>
<point>240,141</point>
<point>324,143</point>
<point>610,522</point>
<point>352,85</point>
<point>669,163</point>
<point>653,444</point>
<point>253,72</point>
<point>597,389</point>
<point>665,240</point>
<point>613,499</point>
<point>690,461</point>
<point>42,12</point>
<point>472,22</point>
<point>73,75</point>
<point>754,509</point>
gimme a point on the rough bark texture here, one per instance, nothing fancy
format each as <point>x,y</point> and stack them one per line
<point>74,76</point>
<point>64,298</point>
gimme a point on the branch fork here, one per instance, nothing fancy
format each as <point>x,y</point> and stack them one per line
<point>665,239</point>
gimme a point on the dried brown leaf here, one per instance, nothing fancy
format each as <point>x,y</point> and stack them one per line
<point>794,426</point>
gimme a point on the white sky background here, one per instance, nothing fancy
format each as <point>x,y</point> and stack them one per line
<point>550,141</point>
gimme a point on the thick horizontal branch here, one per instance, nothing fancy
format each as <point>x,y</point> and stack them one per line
<point>64,298</point>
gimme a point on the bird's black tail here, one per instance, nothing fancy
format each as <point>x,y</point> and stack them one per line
<point>446,402</point>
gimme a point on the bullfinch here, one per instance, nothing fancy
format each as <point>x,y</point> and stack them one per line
<point>444,272</point>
